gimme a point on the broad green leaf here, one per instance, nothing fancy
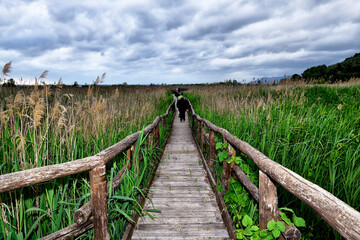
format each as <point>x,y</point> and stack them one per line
<point>264,233</point>
<point>268,237</point>
<point>231,159</point>
<point>240,234</point>
<point>219,188</point>
<point>254,228</point>
<point>247,221</point>
<point>271,225</point>
<point>281,226</point>
<point>285,218</point>
<point>255,237</point>
<point>248,232</point>
<point>276,233</point>
<point>223,155</point>
<point>298,221</point>
<point>218,146</point>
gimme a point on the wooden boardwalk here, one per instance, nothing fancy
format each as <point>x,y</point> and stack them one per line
<point>183,194</point>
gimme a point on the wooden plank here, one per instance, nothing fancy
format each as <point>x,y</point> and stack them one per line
<point>99,202</point>
<point>195,213</point>
<point>182,193</point>
<point>170,195</point>
<point>189,226</point>
<point>173,220</point>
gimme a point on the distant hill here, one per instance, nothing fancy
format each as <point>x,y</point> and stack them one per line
<point>343,71</point>
<point>267,80</point>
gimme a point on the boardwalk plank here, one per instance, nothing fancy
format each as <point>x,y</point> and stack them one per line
<point>183,194</point>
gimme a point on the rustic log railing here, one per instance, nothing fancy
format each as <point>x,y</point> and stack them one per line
<point>96,165</point>
<point>339,215</point>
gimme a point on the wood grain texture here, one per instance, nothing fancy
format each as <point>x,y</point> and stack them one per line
<point>211,147</point>
<point>70,232</point>
<point>99,202</point>
<point>183,194</point>
<point>268,201</point>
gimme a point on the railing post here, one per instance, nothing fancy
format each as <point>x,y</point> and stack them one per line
<point>268,200</point>
<point>203,131</point>
<point>198,130</point>
<point>193,122</point>
<point>157,136</point>
<point>227,170</point>
<point>150,139</point>
<point>163,122</point>
<point>99,202</point>
<point>211,147</point>
<point>129,155</point>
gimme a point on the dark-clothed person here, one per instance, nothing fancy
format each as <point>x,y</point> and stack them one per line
<point>182,104</point>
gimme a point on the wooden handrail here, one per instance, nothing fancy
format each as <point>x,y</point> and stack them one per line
<point>96,165</point>
<point>12,181</point>
<point>339,215</point>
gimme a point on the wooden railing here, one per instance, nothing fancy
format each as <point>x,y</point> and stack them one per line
<point>339,215</point>
<point>96,165</point>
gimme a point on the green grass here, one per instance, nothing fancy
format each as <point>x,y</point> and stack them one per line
<point>49,126</point>
<point>314,131</point>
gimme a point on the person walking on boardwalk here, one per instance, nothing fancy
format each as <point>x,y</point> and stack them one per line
<point>182,104</point>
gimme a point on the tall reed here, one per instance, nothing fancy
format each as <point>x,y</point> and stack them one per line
<point>45,125</point>
<point>314,131</point>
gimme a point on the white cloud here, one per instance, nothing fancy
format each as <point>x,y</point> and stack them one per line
<point>172,41</point>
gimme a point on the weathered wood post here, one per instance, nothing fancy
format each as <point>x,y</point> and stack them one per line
<point>136,156</point>
<point>99,202</point>
<point>227,170</point>
<point>268,200</point>
<point>129,156</point>
<point>203,132</point>
<point>211,147</point>
<point>157,136</point>
<point>163,122</point>
<point>193,122</point>
<point>198,130</point>
<point>150,139</point>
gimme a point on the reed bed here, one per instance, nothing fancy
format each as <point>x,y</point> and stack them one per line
<point>45,125</point>
<point>314,131</point>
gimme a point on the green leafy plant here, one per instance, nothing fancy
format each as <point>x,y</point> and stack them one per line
<point>253,232</point>
<point>276,228</point>
<point>223,155</point>
<point>297,221</point>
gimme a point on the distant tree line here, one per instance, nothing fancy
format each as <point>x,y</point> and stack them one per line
<point>343,71</point>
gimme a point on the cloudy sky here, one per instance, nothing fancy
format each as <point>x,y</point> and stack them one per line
<point>174,41</point>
